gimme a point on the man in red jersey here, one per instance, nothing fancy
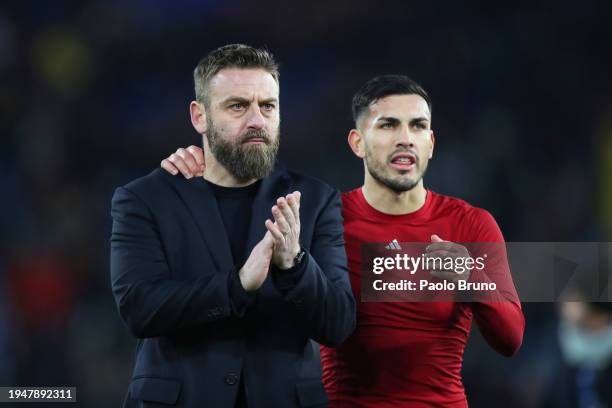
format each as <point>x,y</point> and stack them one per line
<point>403,354</point>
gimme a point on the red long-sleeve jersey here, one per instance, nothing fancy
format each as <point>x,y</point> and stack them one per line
<point>409,354</point>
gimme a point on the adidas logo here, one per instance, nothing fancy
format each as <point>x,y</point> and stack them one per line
<point>393,245</point>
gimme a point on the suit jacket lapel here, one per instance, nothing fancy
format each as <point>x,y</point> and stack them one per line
<point>201,202</point>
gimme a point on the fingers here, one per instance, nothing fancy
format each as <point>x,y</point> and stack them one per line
<point>274,232</point>
<point>286,218</point>
<point>446,275</point>
<point>280,220</point>
<point>294,203</point>
<point>436,259</point>
<point>189,160</point>
<point>452,276</point>
<point>438,244</point>
<point>169,167</point>
<point>198,154</point>
<point>436,238</point>
<point>439,253</point>
<point>180,164</point>
<point>445,246</point>
<point>287,212</point>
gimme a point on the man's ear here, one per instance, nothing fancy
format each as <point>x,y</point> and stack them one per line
<point>433,142</point>
<point>198,117</point>
<point>355,140</point>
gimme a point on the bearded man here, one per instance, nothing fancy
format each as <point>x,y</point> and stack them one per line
<point>226,280</point>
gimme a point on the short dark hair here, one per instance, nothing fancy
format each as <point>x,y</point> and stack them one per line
<point>230,56</point>
<point>385,85</point>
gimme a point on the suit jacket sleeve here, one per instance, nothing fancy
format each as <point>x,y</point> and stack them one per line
<point>150,302</point>
<point>320,287</point>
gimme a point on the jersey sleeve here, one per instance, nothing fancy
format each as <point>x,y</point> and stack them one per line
<point>499,317</point>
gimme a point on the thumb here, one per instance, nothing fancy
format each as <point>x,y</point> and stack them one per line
<point>436,238</point>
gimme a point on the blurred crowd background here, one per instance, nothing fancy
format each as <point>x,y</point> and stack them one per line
<point>95,94</point>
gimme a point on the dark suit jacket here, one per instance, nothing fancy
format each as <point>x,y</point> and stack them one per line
<point>178,291</point>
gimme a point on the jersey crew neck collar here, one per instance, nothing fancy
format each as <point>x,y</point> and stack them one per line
<point>423,212</point>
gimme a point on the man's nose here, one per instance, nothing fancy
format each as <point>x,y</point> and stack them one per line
<point>255,119</point>
<point>405,138</point>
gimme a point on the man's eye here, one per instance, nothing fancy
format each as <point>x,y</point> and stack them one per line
<point>237,106</point>
<point>420,126</point>
<point>387,125</point>
<point>268,106</point>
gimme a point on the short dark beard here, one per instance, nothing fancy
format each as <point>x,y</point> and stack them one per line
<point>377,171</point>
<point>244,162</point>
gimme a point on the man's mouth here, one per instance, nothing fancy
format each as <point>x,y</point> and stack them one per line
<point>403,161</point>
<point>255,140</point>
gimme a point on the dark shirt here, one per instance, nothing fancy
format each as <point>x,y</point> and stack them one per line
<point>234,203</point>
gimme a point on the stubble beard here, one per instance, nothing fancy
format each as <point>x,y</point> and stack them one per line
<point>378,171</point>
